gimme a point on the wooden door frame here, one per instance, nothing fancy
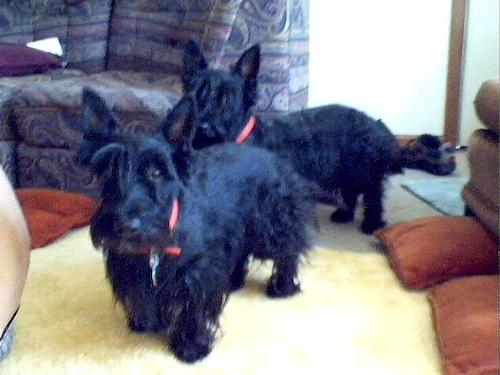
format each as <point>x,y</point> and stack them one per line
<point>456,53</point>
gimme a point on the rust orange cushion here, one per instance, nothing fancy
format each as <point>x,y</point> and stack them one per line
<point>428,251</point>
<point>52,213</point>
<point>466,323</point>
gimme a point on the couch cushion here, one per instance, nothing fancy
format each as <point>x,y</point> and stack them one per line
<point>49,115</point>
<point>151,36</point>
<point>466,321</point>
<point>21,60</point>
<point>10,86</point>
<point>52,167</point>
<point>48,122</point>
<point>82,27</point>
<point>428,251</point>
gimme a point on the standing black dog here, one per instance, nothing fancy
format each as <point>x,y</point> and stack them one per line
<point>175,250</point>
<point>335,146</point>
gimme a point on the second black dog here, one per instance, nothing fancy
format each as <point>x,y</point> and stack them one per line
<point>174,250</point>
<point>335,146</point>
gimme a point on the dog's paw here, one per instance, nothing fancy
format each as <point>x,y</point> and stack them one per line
<point>277,289</point>
<point>189,351</point>
<point>342,216</point>
<point>370,226</point>
<point>140,326</point>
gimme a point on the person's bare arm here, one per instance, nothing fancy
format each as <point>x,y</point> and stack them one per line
<point>14,251</point>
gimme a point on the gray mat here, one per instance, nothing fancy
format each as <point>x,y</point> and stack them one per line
<point>442,193</point>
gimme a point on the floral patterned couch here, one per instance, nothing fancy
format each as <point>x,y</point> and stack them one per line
<point>130,51</point>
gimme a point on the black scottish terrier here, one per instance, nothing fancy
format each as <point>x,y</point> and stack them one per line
<point>335,146</point>
<point>428,153</point>
<point>175,250</point>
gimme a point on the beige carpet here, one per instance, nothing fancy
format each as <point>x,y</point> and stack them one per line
<point>353,317</point>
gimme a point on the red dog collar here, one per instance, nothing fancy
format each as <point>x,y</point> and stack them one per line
<point>172,223</point>
<point>245,133</point>
<point>174,215</point>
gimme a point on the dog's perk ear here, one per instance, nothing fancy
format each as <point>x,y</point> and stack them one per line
<point>96,114</point>
<point>105,158</point>
<point>193,61</point>
<point>178,126</point>
<point>249,63</point>
<point>99,128</point>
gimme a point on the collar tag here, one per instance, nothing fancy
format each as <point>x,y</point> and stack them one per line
<point>154,261</point>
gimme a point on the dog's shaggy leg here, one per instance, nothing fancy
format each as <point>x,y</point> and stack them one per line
<point>373,209</point>
<point>237,278</point>
<point>190,345</point>
<point>346,215</point>
<point>193,336</point>
<point>283,282</point>
<point>202,294</point>
<point>143,316</point>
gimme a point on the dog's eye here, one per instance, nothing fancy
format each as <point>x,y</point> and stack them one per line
<point>224,100</point>
<point>154,174</point>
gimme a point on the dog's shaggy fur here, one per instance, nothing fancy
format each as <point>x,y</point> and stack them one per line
<point>335,146</point>
<point>236,202</point>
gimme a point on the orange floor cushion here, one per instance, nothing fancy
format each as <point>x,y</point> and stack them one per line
<point>466,322</point>
<point>428,251</point>
<point>52,213</point>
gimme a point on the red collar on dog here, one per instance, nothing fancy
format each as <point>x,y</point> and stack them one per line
<point>174,215</point>
<point>245,133</point>
<point>172,223</point>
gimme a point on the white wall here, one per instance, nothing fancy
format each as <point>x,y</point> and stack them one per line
<point>481,59</point>
<point>386,57</point>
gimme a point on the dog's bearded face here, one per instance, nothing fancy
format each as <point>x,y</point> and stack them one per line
<point>138,185</point>
<point>221,100</point>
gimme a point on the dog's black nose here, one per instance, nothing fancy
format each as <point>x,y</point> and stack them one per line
<point>134,224</point>
<point>131,227</point>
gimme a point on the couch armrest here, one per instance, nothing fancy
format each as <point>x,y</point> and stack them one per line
<point>487,104</point>
<point>481,192</point>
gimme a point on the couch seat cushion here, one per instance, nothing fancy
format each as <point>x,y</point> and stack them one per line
<point>48,121</point>
<point>10,86</point>
<point>49,115</point>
